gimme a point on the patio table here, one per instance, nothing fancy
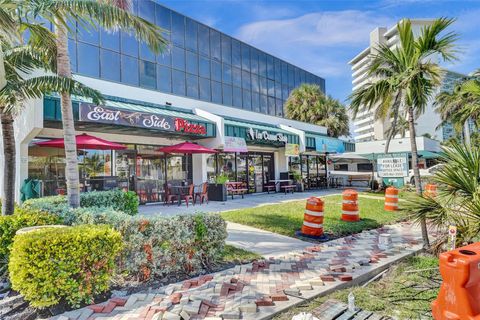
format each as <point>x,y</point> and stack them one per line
<point>279,181</point>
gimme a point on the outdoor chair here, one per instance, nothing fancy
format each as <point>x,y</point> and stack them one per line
<point>190,195</point>
<point>202,194</point>
<point>169,197</point>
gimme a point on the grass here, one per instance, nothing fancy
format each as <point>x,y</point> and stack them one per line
<point>399,293</point>
<point>286,218</point>
<point>231,254</point>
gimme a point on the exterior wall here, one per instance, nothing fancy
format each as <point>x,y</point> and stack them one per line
<point>397,145</point>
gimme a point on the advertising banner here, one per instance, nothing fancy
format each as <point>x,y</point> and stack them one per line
<point>330,145</point>
<point>292,150</point>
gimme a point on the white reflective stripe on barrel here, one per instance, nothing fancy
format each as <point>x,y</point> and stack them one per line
<point>391,196</point>
<point>314,213</point>
<point>350,201</point>
<point>353,213</point>
<point>393,204</point>
<point>312,225</point>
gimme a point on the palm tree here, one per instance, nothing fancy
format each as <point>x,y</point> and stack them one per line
<point>405,77</point>
<point>400,128</point>
<point>308,103</point>
<point>89,13</point>
<point>460,105</point>
<point>19,63</point>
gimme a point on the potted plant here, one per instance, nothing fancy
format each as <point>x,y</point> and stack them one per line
<point>297,179</point>
<point>217,191</point>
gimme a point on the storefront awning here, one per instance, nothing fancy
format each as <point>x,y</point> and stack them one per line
<point>422,154</point>
<point>259,133</point>
<point>118,115</point>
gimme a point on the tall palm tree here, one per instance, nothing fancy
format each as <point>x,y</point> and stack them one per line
<point>88,13</point>
<point>405,77</point>
<point>461,105</point>
<point>308,103</point>
<point>19,63</point>
<point>400,128</point>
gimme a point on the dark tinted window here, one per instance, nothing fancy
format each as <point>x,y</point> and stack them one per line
<point>178,29</point>
<point>226,49</point>
<point>148,74</point>
<point>129,45</point>
<point>236,54</point>
<point>110,40</point>
<point>205,89</point>
<point>110,65</point>
<point>215,46</point>
<point>237,97</point>
<point>245,57</point>
<point>204,67</point>
<point>227,73</point>
<point>227,94</point>
<point>191,35</point>
<point>88,60</point>
<point>178,58</point>
<point>203,40</point>
<point>192,63</point>
<point>178,82</point>
<point>192,86</point>
<point>164,79</point>
<point>216,71</point>
<point>129,70</point>
<point>216,92</point>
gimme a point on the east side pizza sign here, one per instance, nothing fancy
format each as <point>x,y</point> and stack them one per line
<point>109,115</point>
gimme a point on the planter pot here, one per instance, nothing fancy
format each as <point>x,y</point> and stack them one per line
<point>217,192</point>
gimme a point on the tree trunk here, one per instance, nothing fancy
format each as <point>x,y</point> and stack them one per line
<point>9,165</point>
<point>416,172</point>
<point>466,133</point>
<point>71,170</point>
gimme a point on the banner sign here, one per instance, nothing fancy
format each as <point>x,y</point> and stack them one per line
<point>330,145</point>
<point>254,134</point>
<point>292,150</point>
<point>235,144</point>
<point>110,115</point>
<point>392,165</point>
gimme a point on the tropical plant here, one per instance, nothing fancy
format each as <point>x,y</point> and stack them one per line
<point>89,14</point>
<point>457,202</point>
<point>460,105</point>
<point>400,128</point>
<point>308,103</point>
<point>404,77</point>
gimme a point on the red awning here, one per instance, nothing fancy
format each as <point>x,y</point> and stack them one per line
<point>84,141</point>
<point>186,147</point>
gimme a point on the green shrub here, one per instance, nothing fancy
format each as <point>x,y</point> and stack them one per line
<point>71,264</point>
<point>22,218</point>
<point>117,199</point>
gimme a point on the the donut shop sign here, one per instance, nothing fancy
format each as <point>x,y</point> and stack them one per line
<point>109,115</point>
<point>255,134</point>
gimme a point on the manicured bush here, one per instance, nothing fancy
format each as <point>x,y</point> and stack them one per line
<point>22,218</point>
<point>71,264</point>
<point>117,199</point>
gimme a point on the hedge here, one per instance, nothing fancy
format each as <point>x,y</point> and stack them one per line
<point>157,247</point>
<point>119,200</point>
<point>22,218</point>
<point>72,264</point>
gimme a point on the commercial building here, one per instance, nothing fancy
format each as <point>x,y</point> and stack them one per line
<point>366,127</point>
<point>207,87</point>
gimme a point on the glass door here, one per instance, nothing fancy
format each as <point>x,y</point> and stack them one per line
<point>150,171</point>
<point>268,168</point>
<point>125,161</point>
<point>255,170</point>
<point>242,173</point>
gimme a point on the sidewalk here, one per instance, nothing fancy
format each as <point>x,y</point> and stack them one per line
<point>261,289</point>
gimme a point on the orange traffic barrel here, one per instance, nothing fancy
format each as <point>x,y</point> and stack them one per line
<point>430,190</point>
<point>391,199</point>
<point>350,205</point>
<point>313,217</point>
<point>458,297</point>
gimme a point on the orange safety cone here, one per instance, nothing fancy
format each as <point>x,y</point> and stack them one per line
<point>458,298</point>
<point>430,190</point>
<point>350,205</point>
<point>313,219</point>
<point>391,199</point>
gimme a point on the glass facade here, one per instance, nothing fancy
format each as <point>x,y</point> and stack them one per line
<point>200,63</point>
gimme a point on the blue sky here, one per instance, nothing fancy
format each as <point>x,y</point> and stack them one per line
<point>322,36</point>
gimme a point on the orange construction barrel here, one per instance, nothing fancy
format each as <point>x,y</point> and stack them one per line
<point>313,217</point>
<point>350,205</point>
<point>459,295</point>
<point>391,199</point>
<point>430,190</point>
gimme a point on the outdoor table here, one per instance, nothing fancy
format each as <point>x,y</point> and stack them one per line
<point>279,181</point>
<point>180,192</point>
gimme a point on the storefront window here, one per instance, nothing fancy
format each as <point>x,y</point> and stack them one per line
<point>48,166</point>
<point>226,165</point>
<point>95,163</point>
<point>211,168</point>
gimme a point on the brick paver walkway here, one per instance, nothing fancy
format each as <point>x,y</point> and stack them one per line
<point>263,288</point>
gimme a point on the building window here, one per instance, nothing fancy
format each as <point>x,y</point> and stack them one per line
<point>129,70</point>
<point>205,92</point>
<point>237,77</point>
<point>148,74</point>
<point>247,100</point>
<point>236,54</point>
<point>262,64</point>
<point>255,83</point>
<point>164,79</point>
<point>216,71</point>
<point>89,35</point>
<point>203,40</point>
<point>88,60</point>
<point>263,104</point>
<point>263,86</point>
<point>146,53</point>
<point>254,60</point>
<point>178,29</point>
<point>178,82</point>
<point>178,58</point>
<point>165,58</point>
<point>163,18</point>
<point>215,46</point>
<point>146,10</point>
<point>255,102</point>
<point>227,73</point>
<point>278,71</point>
<point>246,83</point>
<point>271,88</point>
<point>72,51</point>
<point>129,45</point>
<point>192,86</point>
<point>245,57</point>
<point>226,49</point>
<point>237,97</point>
<point>192,63</point>
<point>110,40</point>
<point>216,92</point>
<point>204,67</point>
<point>110,65</point>
<point>227,94</point>
<point>271,106</point>
<point>270,68</point>
<point>191,35</point>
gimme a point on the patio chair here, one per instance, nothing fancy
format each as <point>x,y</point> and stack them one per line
<point>169,197</point>
<point>202,194</point>
<point>190,195</point>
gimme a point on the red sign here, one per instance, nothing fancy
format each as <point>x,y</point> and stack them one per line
<point>183,125</point>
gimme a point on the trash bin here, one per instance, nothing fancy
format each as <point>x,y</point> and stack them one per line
<point>459,296</point>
